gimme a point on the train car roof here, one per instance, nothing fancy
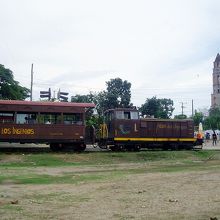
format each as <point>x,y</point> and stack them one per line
<point>166,120</point>
<point>40,103</point>
<point>122,109</point>
<point>50,107</point>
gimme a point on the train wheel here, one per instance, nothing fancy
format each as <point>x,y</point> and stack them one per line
<point>129,148</point>
<point>77,147</point>
<point>174,147</point>
<point>81,148</point>
<point>137,148</point>
<point>112,148</point>
<point>117,148</point>
<point>166,146</point>
<point>55,147</point>
<point>188,147</point>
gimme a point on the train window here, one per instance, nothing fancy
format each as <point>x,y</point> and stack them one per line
<point>120,114</point>
<point>109,116</point>
<point>47,118</point>
<point>26,118</point>
<point>134,115</point>
<point>126,115</point>
<point>75,118</point>
<point>6,117</point>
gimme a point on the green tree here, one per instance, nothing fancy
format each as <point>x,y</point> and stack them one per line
<point>159,108</point>
<point>166,108</point>
<point>198,117</point>
<point>101,102</point>
<point>91,119</point>
<point>180,116</point>
<point>83,98</point>
<point>9,88</point>
<point>117,95</point>
<point>150,107</point>
<point>213,120</point>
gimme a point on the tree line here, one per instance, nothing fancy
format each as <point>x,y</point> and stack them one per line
<point>116,95</point>
<point>9,88</point>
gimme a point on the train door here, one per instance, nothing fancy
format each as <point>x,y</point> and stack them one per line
<point>107,128</point>
<point>90,135</point>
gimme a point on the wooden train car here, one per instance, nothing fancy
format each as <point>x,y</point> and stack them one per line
<point>123,129</point>
<point>59,124</point>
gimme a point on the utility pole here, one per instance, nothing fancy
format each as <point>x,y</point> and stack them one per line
<point>182,106</point>
<point>32,76</point>
<point>0,87</point>
<point>192,109</point>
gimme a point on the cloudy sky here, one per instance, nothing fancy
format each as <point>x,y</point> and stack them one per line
<point>164,48</point>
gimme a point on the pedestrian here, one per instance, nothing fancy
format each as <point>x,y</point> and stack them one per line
<point>207,136</point>
<point>214,138</point>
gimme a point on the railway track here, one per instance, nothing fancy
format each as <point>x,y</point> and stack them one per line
<point>36,148</point>
<point>44,148</point>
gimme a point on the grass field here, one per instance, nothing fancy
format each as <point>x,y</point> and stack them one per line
<point>53,185</point>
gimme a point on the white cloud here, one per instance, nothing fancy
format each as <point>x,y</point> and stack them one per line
<point>164,48</point>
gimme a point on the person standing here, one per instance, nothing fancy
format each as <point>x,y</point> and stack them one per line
<point>214,138</point>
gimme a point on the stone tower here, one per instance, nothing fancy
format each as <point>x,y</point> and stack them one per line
<point>215,102</point>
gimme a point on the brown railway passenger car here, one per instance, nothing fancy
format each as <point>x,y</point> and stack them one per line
<point>123,129</point>
<point>60,124</point>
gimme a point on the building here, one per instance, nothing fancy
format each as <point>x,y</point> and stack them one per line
<point>215,97</point>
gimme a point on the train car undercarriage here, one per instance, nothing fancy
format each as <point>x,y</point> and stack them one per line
<point>136,146</point>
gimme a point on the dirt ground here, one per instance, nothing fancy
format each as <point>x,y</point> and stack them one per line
<point>147,195</point>
<point>208,145</point>
<point>178,195</point>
